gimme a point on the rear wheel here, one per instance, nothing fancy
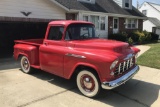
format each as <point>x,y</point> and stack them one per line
<point>25,65</point>
<point>88,83</point>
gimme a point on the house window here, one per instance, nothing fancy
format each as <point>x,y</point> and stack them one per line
<point>131,23</point>
<point>144,12</point>
<point>102,23</point>
<point>115,25</point>
<point>86,18</point>
<point>98,21</point>
<point>95,21</point>
<point>127,3</point>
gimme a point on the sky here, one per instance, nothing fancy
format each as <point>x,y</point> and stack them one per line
<point>141,1</point>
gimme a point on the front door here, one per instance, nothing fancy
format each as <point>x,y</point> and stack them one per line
<point>52,51</point>
<point>115,25</point>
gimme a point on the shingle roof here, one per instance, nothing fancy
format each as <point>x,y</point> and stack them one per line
<point>155,21</point>
<point>106,6</point>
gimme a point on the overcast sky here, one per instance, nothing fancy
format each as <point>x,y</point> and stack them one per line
<point>141,1</point>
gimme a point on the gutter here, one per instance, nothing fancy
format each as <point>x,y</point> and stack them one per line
<point>109,14</point>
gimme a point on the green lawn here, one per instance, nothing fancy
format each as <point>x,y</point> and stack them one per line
<point>151,58</point>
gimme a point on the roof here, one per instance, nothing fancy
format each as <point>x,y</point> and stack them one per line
<point>155,6</point>
<point>68,22</point>
<point>155,21</point>
<point>105,6</point>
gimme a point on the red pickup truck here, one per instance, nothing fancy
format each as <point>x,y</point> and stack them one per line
<point>71,48</point>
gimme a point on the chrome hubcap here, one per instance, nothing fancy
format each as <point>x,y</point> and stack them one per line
<point>25,64</point>
<point>87,83</point>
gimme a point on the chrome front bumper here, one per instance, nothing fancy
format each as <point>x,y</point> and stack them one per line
<point>113,84</point>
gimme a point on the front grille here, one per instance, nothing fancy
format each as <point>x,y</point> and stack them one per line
<point>124,66</point>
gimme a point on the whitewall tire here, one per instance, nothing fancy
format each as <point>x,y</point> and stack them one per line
<point>25,65</point>
<point>88,83</point>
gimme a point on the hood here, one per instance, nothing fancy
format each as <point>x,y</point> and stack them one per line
<point>102,44</point>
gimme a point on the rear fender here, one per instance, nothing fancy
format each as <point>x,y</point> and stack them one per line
<point>32,52</point>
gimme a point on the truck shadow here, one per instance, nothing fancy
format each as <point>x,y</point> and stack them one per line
<point>8,63</point>
<point>132,94</point>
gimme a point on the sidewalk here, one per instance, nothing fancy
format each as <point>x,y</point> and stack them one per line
<point>142,48</point>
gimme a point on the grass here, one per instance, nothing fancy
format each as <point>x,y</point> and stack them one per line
<point>151,58</point>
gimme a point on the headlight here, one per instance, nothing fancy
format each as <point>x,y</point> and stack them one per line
<point>113,65</point>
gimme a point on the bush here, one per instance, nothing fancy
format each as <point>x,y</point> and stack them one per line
<point>142,39</point>
<point>130,41</point>
<point>134,36</point>
<point>154,37</point>
<point>119,36</point>
<point>147,35</point>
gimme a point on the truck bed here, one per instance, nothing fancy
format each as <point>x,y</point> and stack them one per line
<point>36,42</point>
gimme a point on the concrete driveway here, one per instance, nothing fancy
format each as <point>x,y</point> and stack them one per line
<point>42,89</point>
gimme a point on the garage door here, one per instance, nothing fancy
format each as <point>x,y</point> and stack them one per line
<point>10,31</point>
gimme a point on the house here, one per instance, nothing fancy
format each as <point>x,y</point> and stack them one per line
<point>152,11</point>
<point>109,16</point>
<point>28,19</point>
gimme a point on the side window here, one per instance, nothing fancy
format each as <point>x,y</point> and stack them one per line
<point>55,33</point>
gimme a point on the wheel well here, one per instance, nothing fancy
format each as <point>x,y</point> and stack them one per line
<point>19,56</point>
<point>82,67</point>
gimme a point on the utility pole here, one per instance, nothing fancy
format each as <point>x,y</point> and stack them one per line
<point>137,4</point>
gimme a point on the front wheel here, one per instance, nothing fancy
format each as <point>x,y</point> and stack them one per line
<point>88,83</point>
<point>25,65</point>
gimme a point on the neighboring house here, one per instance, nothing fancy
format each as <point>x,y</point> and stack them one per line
<point>23,19</point>
<point>152,11</point>
<point>109,16</point>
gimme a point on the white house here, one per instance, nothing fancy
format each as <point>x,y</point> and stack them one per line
<point>152,11</point>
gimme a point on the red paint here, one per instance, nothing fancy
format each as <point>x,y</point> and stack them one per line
<point>50,55</point>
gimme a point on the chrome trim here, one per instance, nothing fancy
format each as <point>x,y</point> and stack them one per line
<point>113,84</point>
<point>131,62</point>
<point>124,64</point>
<point>76,56</point>
<point>129,56</point>
<point>128,64</point>
<point>119,68</point>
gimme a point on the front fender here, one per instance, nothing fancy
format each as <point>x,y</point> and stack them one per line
<point>86,65</point>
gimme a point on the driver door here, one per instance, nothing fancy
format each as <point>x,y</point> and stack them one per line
<point>52,51</point>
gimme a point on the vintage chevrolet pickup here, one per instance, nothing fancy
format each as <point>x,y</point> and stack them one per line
<point>71,48</point>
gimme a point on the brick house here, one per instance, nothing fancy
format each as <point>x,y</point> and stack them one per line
<point>109,16</point>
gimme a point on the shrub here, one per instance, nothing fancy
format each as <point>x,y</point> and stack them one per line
<point>147,35</point>
<point>130,41</point>
<point>118,36</point>
<point>142,39</point>
<point>154,37</point>
<point>135,36</point>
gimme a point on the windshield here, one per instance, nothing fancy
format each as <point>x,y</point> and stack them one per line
<point>80,32</point>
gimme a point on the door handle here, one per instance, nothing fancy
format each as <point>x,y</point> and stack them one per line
<point>45,43</point>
